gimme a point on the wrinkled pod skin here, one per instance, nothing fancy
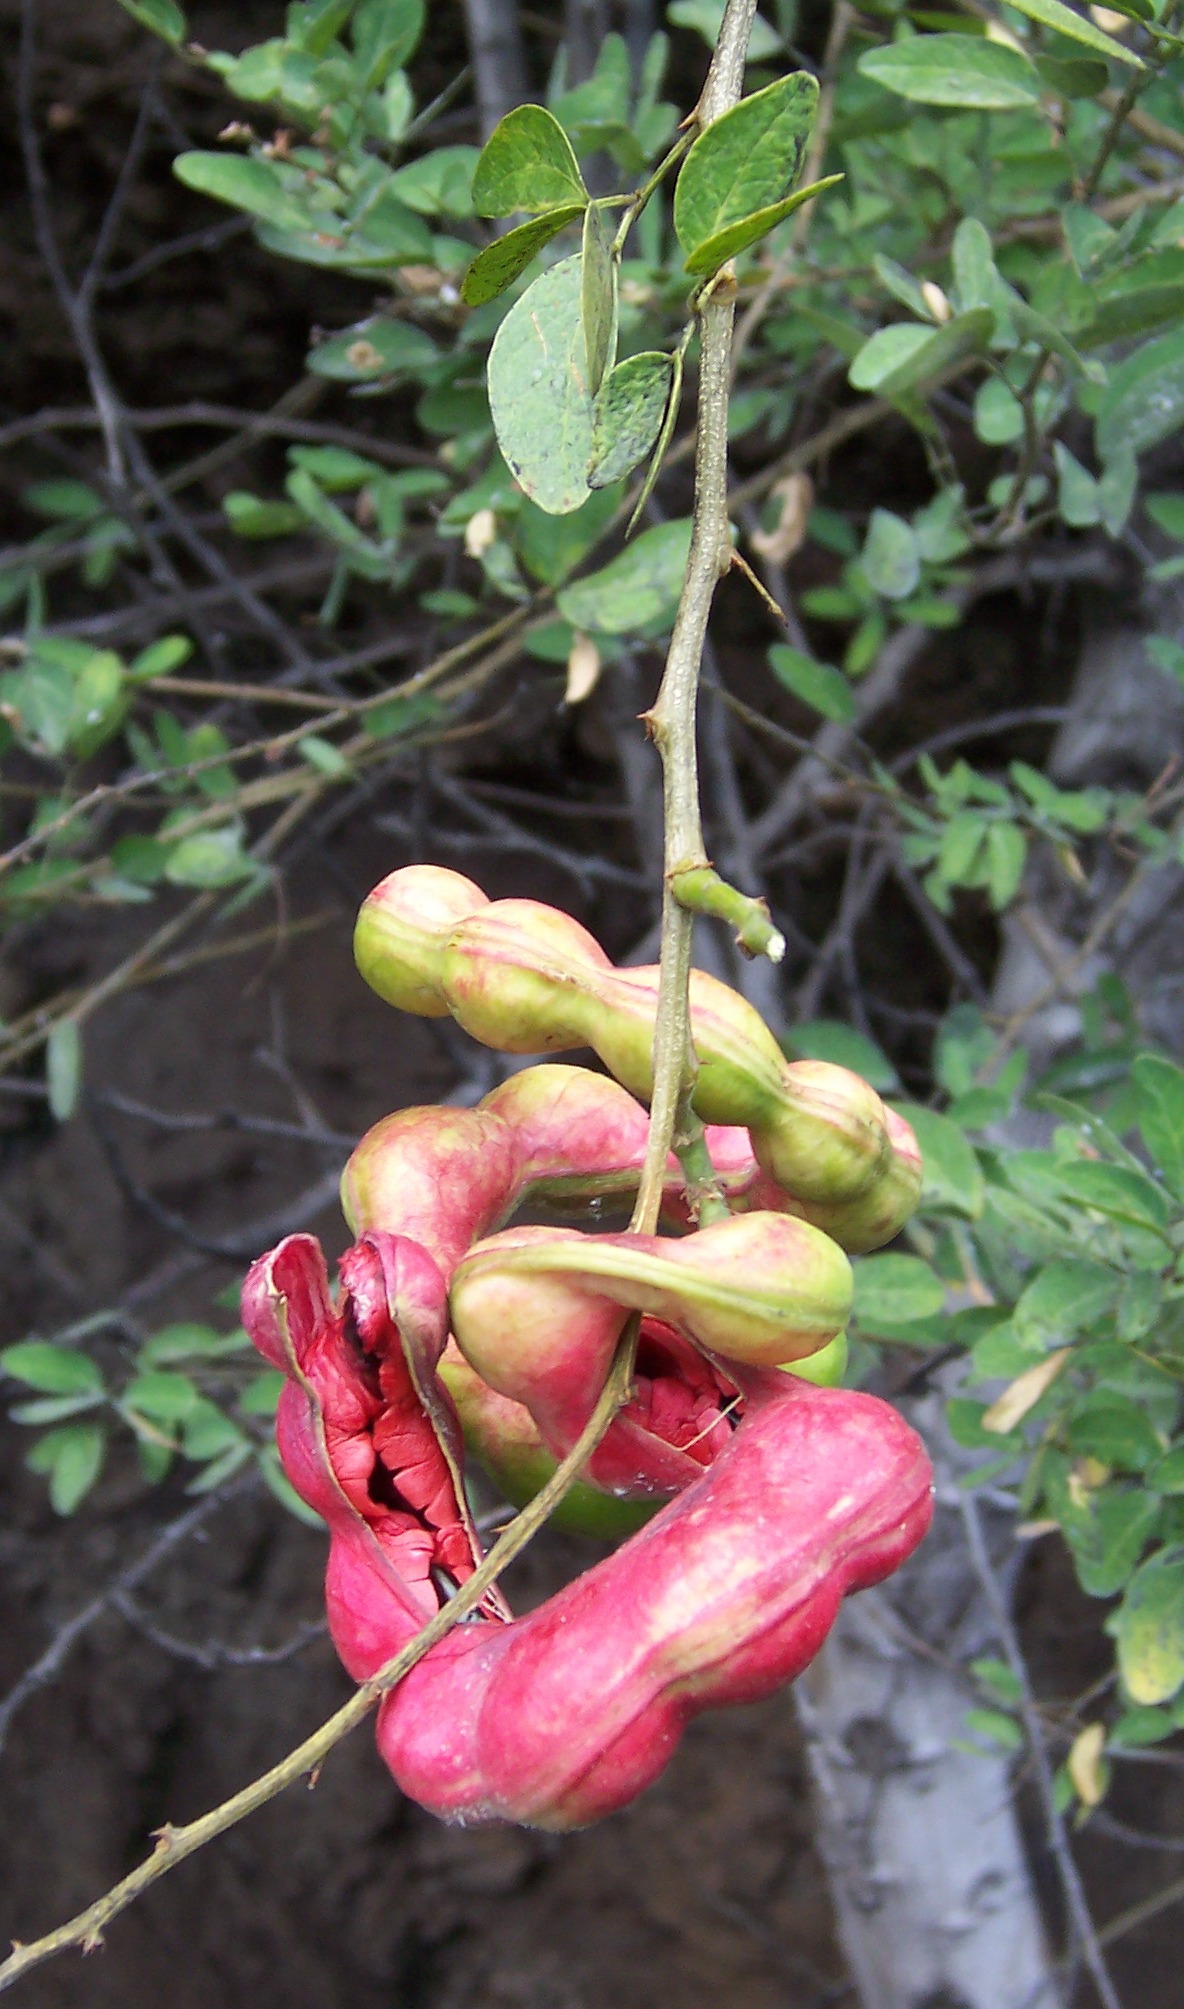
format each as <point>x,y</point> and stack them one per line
<point>445,1176</point>
<point>560,1717</point>
<point>526,978</point>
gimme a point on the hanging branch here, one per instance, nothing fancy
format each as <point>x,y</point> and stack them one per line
<point>672,723</point>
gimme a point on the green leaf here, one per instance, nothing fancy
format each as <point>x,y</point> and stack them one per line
<point>1064,1299</point>
<point>1145,399</point>
<point>551,547</point>
<point>378,347</point>
<point>1167,512</point>
<point>161,1397</point>
<point>538,393</point>
<point>335,468</point>
<point>638,590</point>
<point>251,516</point>
<point>1166,655</point>
<point>1054,14</point>
<point>715,251</point>
<point>1149,1629</point>
<point>1159,1090</point>
<point>527,163</point>
<point>439,183</point>
<point>188,1341</point>
<point>953,1178</point>
<point>73,1458</point>
<point>64,501</point>
<point>1073,76</point>
<point>897,358</point>
<point>628,415</point>
<point>1115,1430</point>
<point>261,1395</point>
<point>830,1039</point>
<point>895,1290</point>
<point>63,1068</point>
<point>54,1408</point>
<point>1137,1727</point>
<point>998,1678</point>
<point>209,858</point>
<point>964,71</point>
<point>665,435</point>
<point>160,658</point>
<point>325,757</point>
<point>164,18</point>
<point>1168,1475</point>
<point>598,295</point>
<point>745,161</point>
<point>256,186</point>
<point>964,1045</point>
<point>497,267</point>
<point>207,1433</point>
<point>1113,1190</point>
<point>385,34</point>
<point>996,1727</point>
<point>890,559</point>
<point>1108,1536</point>
<point>1007,851</point>
<point>998,413</point>
<point>1077,491</point>
<point>51,1370</point>
<point>824,689</point>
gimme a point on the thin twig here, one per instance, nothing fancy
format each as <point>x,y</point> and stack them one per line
<point>174,1844</point>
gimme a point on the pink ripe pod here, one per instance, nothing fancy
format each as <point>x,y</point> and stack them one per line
<point>567,1714</point>
<point>560,1717</point>
<point>537,1312</point>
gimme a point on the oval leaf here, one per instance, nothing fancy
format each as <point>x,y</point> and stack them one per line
<point>1145,400</point>
<point>964,71</point>
<point>729,243</point>
<point>51,1370</point>
<point>1149,1628</point>
<point>538,392</point>
<point>1054,14</point>
<point>891,559</point>
<point>895,1290</point>
<point>497,267</point>
<point>253,185</point>
<point>745,162</point>
<point>907,353</point>
<point>638,590</point>
<point>527,163</point>
<point>628,415</point>
<point>824,689</point>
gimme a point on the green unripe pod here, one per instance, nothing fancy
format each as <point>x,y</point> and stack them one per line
<point>525,978</point>
<point>824,1369</point>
